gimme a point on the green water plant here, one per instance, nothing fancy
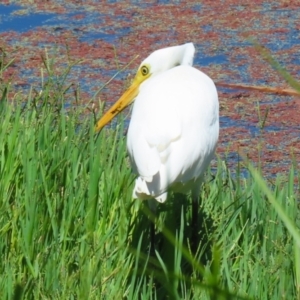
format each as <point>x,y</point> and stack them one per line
<point>69,228</point>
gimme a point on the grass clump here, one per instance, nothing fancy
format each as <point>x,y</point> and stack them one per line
<point>70,230</point>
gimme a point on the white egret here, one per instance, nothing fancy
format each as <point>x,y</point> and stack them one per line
<point>174,125</point>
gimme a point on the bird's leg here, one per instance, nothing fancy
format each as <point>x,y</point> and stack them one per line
<point>195,205</point>
<point>194,222</point>
<point>152,238</point>
<point>152,205</point>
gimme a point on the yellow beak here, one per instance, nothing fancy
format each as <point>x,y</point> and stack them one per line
<point>126,99</point>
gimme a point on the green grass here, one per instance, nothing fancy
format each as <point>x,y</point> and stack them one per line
<point>69,228</point>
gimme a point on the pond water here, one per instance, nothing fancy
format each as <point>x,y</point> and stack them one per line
<point>107,36</point>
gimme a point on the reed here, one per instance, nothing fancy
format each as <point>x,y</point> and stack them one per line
<point>70,230</point>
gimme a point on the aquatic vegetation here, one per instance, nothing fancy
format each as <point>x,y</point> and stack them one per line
<point>104,38</point>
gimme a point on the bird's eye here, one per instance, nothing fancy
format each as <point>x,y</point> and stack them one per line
<point>144,70</point>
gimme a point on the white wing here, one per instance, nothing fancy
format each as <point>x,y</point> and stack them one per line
<point>173,130</point>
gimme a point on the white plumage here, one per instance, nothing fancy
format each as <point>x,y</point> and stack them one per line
<point>174,125</point>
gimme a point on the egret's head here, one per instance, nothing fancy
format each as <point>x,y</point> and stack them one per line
<point>157,62</point>
<point>167,58</point>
